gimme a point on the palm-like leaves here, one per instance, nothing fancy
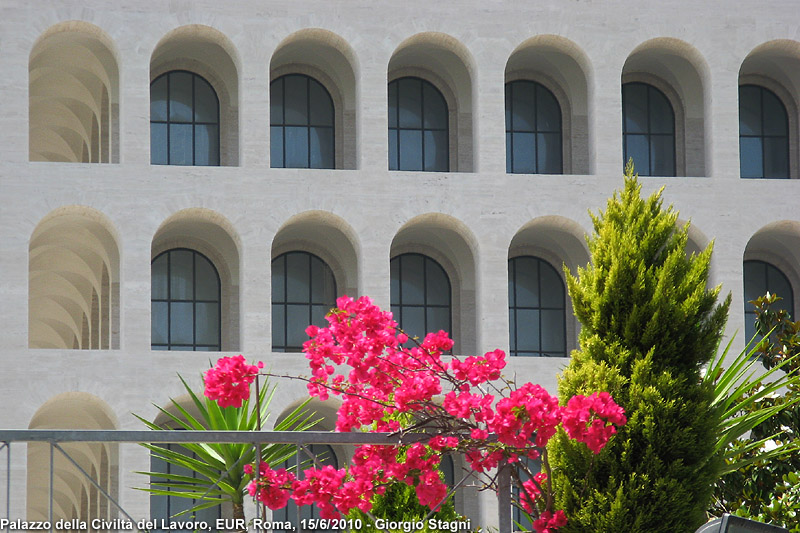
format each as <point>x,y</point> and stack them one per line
<point>219,466</point>
<point>737,391</point>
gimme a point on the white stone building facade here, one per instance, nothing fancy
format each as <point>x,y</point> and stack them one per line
<point>84,213</point>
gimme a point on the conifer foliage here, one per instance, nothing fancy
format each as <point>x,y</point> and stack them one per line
<point>649,323</point>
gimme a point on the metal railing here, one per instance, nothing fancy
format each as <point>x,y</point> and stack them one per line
<point>56,437</point>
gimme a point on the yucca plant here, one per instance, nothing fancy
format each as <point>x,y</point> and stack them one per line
<point>219,466</point>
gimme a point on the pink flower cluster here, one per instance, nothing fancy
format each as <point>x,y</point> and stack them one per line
<point>228,382</point>
<point>361,358</point>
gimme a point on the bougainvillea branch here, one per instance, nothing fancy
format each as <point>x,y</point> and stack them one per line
<point>362,358</point>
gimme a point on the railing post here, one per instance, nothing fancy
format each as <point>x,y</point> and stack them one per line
<point>504,497</point>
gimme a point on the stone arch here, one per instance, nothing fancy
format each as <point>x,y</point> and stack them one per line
<point>775,65</point>
<point>74,496</point>
<point>452,244</point>
<point>211,234</point>
<point>563,68</point>
<point>678,70</point>
<point>207,52</point>
<point>446,63</point>
<point>329,59</point>
<point>73,289</point>
<point>73,111</point>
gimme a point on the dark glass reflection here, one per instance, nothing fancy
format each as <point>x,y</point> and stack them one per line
<point>533,129</point>
<point>648,130</point>
<point>184,120</point>
<point>763,134</point>
<point>420,295</point>
<point>418,126</point>
<point>761,277</point>
<point>536,309</point>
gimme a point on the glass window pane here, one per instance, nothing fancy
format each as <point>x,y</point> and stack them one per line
<point>158,99</point>
<point>296,147</point>
<point>394,276</point>
<point>181,281</point>
<point>276,102</point>
<point>392,93</point>
<point>775,119</point>
<point>321,105</point>
<point>636,147</point>
<point>158,144</point>
<point>776,157</point>
<point>435,109</point>
<point>436,152</point>
<point>278,323</point>
<point>158,278</point>
<point>181,322</point>
<point>512,330</point>
<point>207,323</point>
<point>634,108</point>
<point>662,155</point>
<point>412,288</point>
<point>508,105</point>
<point>755,280</point>
<point>410,110</point>
<point>321,147</point>
<point>180,94</point>
<point>394,164</point>
<point>207,285</point>
<point>318,313</point>
<point>438,285</point>
<point>528,330</point>
<point>778,284</point>
<point>751,164</point>
<point>749,110</point>
<point>552,286</point>
<point>526,270</point>
<point>661,116</point>
<point>523,110</point>
<point>278,273</point>
<point>553,332</point>
<point>548,151</point>
<point>509,167</point>
<point>410,150</point>
<point>414,322</point>
<point>297,320</point>
<point>276,147</point>
<point>548,112</point>
<point>206,108</point>
<point>438,319</point>
<point>322,284</point>
<point>158,323</point>
<point>297,278</point>
<point>524,152</point>
<point>206,145</point>
<point>180,144</point>
<point>296,100</point>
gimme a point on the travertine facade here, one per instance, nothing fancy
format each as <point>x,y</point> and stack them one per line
<point>77,239</point>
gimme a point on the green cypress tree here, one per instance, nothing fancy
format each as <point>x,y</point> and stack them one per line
<point>649,323</point>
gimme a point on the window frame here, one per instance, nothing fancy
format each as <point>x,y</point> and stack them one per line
<point>168,346</point>
<point>787,301</point>
<point>286,348</point>
<point>422,129</point>
<point>398,307</point>
<point>762,136</point>
<point>308,125</point>
<point>648,133</point>
<point>194,123</point>
<point>513,307</point>
<point>510,131</point>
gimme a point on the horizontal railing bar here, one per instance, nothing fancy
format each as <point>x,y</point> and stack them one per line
<point>175,436</point>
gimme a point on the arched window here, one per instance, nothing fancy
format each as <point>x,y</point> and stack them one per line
<point>648,130</point>
<point>301,123</point>
<point>533,129</point>
<point>418,126</point>
<point>536,309</point>
<point>760,277</point>
<point>324,456</point>
<point>763,134</point>
<point>303,291</point>
<point>184,120</point>
<point>185,302</point>
<point>420,296</point>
